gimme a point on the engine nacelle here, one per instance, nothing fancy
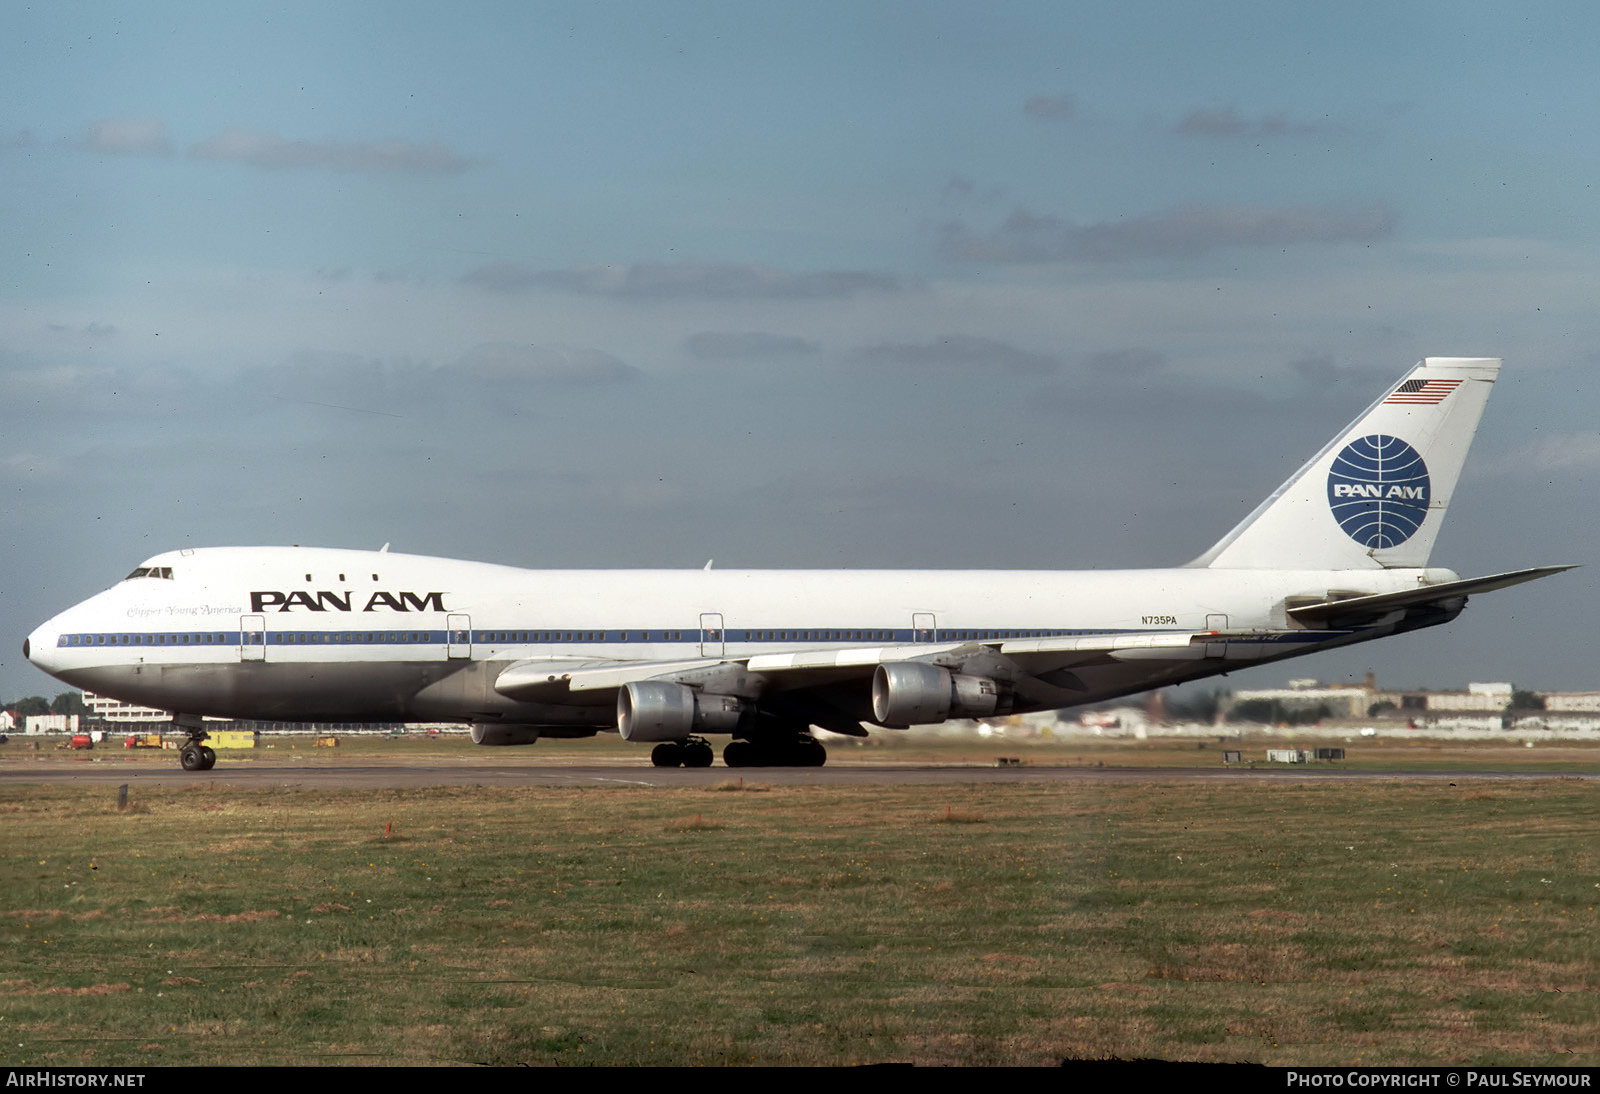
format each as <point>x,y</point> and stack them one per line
<point>653,710</point>
<point>915,693</point>
<point>491,733</point>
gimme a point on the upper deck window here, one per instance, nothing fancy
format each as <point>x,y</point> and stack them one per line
<point>151,571</point>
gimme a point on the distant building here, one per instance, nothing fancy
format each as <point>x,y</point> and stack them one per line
<point>105,709</point>
<point>126,715</point>
<point>52,723</point>
<point>1365,700</point>
<point>1307,697</point>
<point>1478,698</point>
<point>1572,702</point>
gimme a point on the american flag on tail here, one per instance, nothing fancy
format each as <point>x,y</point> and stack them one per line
<point>1422,392</point>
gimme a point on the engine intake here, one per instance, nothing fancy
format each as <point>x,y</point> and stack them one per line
<point>915,693</point>
<point>651,710</point>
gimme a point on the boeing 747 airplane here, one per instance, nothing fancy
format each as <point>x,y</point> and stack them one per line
<point>1337,555</point>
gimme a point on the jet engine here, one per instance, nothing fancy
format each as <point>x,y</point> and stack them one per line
<point>524,733</point>
<point>914,693</point>
<point>652,710</point>
<point>490,733</point>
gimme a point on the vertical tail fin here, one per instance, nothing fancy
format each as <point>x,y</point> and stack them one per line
<point>1376,495</point>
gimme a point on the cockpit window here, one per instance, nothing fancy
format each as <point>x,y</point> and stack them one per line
<point>151,571</point>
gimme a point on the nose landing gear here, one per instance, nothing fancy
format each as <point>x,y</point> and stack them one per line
<point>197,757</point>
<point>194,755</point>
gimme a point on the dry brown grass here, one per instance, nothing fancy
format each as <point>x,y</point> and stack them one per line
<point>1359,923</point>
<point>696,823</point>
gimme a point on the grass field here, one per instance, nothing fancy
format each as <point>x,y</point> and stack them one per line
<point>1360,923</point>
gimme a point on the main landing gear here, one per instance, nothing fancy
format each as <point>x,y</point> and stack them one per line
<point>691,752</point>
<point>194,756</point>
<point>803,750</point>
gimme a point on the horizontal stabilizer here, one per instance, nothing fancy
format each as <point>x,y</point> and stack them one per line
<point>1352,611</point>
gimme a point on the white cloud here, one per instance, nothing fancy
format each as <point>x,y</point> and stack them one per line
<point>1182,232</point>
<point>1053,108</point>
<point>1129,361</point>
<point>23,464</point>
<point>1225,121</point>
<point>564,365</point>
<point>1557,452</point>
<point>729,345</point>
<point>962,351</point>
<point>134,136</point>
<point>684,281</point>
<point>258,149</point>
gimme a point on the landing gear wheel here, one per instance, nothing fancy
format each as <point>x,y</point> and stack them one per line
<point>193,755</point>
<point>808,752</point>
<point>667,754</point>
<point>802,751</point>
<point>697,753</point>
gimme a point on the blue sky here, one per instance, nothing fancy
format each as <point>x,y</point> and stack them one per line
<point>852,284</point>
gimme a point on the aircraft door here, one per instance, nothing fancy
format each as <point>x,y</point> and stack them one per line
<point>712,636</point>
<point>458,637</point>
<point>924,627</point>
<point>252,638</point>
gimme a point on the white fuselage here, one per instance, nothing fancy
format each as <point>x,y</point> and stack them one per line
<point>314,634</point>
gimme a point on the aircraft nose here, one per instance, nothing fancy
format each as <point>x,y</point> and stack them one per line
<point>40,646</point>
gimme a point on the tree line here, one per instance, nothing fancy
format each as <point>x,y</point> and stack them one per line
<point>68,702</point>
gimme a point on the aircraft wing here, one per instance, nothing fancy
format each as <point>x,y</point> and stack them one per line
<point>1358,610</point>
<point>1059,651</point>
<point>548,681</point>
<point>552,680</point>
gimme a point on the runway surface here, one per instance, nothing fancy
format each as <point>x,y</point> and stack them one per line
<point>364,773</point>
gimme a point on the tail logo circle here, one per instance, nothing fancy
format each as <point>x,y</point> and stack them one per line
<point>1378,491</point>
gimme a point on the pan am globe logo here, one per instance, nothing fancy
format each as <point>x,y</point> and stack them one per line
<point>1378,491</point>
